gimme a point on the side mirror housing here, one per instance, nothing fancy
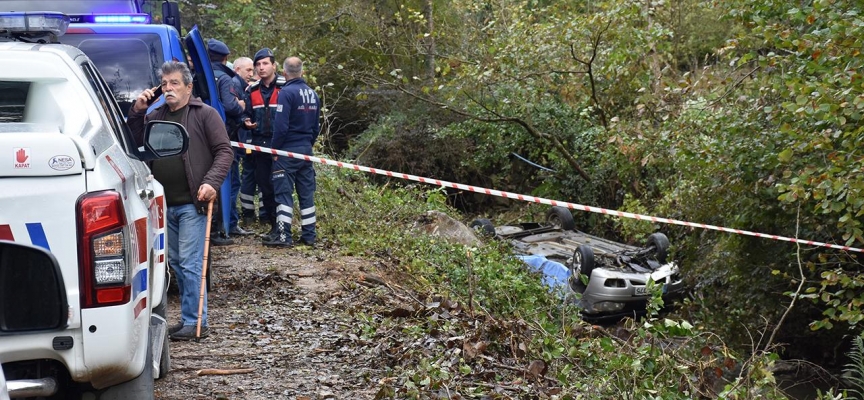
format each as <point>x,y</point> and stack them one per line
<point>171,14</point>
<point>32,292</point>
<point>164,139</point>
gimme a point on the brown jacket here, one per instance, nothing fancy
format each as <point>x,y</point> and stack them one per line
<point>209,156</point>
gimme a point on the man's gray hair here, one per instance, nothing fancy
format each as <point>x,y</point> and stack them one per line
<point>293,66</point>
<point>242,60</point>
<point>170,67</point>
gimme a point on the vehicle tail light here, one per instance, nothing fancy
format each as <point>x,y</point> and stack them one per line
<point>103,267</point>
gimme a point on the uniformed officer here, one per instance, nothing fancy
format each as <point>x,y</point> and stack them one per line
<point>297,124</point>
<point>233,105</point>
<point>261,112</point>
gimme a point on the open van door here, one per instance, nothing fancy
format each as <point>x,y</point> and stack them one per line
<point>205,86</point>
<point>205,80</point>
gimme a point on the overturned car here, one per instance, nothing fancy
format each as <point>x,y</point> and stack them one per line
<point>612,278</point>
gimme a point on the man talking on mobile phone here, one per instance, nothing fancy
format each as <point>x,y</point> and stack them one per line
<point>190,181</point>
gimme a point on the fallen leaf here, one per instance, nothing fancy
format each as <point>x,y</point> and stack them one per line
<point>537,368</point>
<point>472,350</point>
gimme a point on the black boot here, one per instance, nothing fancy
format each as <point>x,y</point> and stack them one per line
<point>219,239</point>
<point>274,230</point>
<point>282,238</point>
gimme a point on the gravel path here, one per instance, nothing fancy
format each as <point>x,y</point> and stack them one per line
<point>283,316</point>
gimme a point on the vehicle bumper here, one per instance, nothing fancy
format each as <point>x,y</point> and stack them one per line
<point>23,388</point>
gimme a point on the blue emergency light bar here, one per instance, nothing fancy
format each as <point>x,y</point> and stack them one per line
<point>34,23</point>
<point>110,19</point>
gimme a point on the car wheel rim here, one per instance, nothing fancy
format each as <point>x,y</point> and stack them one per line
<point>577,262</point>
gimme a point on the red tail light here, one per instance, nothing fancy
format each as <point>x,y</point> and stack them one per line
<point>103,267</point>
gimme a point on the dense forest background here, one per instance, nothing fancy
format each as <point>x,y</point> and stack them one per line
<point>743,114</point>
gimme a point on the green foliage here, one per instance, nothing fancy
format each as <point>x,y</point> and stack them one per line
<point>855,368</point>
<point>810,97</point>
<point>391,143</point>
<point>658,358</point>
<point>744,114</point>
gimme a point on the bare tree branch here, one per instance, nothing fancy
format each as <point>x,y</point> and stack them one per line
<point>595,45</point>
<point>531,129</point>
<point>800,284</point>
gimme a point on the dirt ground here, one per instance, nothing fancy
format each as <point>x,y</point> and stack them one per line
<point>282,325</point>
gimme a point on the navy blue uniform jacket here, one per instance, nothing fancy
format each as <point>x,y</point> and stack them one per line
<point>228,94</point>
<point>297,114</point>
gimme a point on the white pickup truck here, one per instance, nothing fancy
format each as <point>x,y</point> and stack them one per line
<point>73,183</point>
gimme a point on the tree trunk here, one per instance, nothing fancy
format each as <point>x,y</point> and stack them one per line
<point>430,40</point>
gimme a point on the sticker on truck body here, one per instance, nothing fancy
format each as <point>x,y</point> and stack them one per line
<point>34,230</point>
<point>61,163</point>
<point>22,157</point>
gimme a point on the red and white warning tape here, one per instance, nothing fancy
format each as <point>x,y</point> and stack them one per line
<point>509,195</point>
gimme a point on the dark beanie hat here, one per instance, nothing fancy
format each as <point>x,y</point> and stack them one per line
<point>216,46</point>
<point>263,53</point>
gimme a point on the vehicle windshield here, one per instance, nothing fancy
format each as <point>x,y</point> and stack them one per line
<point>128,62</point>
<point>13,100</point>
<point>71,7</point>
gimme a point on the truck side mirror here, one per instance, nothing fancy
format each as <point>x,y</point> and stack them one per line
<point>32,293</point>
<point>171,14</point>
<point>164,139</point>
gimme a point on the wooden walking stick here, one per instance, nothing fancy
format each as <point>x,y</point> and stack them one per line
<point>204,270</point>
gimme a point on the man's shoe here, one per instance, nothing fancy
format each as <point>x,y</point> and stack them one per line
<point>310,243</point>
<point>188,333</point>
<point>218,240</point>
<point>174,328</point>
<point>238,231</point>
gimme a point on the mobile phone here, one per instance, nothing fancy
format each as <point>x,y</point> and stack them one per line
<point>156,95</point>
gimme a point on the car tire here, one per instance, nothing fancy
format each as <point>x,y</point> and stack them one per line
<point>661,246</point>
<point>583,261</point>
<point>483,226</point>
<point>560,217</point>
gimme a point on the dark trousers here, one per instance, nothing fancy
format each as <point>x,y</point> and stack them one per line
<point>248,190</point>
<point>288,174</point>
<point>235,191</point>
<point>263,164</point>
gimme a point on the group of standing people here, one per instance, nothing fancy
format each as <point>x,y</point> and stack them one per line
<point>277,111</point>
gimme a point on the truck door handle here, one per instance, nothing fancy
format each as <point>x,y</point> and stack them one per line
<point>146,194</point>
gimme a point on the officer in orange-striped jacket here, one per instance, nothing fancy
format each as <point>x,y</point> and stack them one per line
<point>260,118</point>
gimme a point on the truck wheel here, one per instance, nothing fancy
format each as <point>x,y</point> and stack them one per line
<point>560,217</point>
<point>583,261</point>
<point>661,246</point>
<point>483,226</point>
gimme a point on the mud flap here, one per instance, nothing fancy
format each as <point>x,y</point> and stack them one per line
<point>158,327</point>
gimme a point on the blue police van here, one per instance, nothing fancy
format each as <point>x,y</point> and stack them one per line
<point>128,43</point>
